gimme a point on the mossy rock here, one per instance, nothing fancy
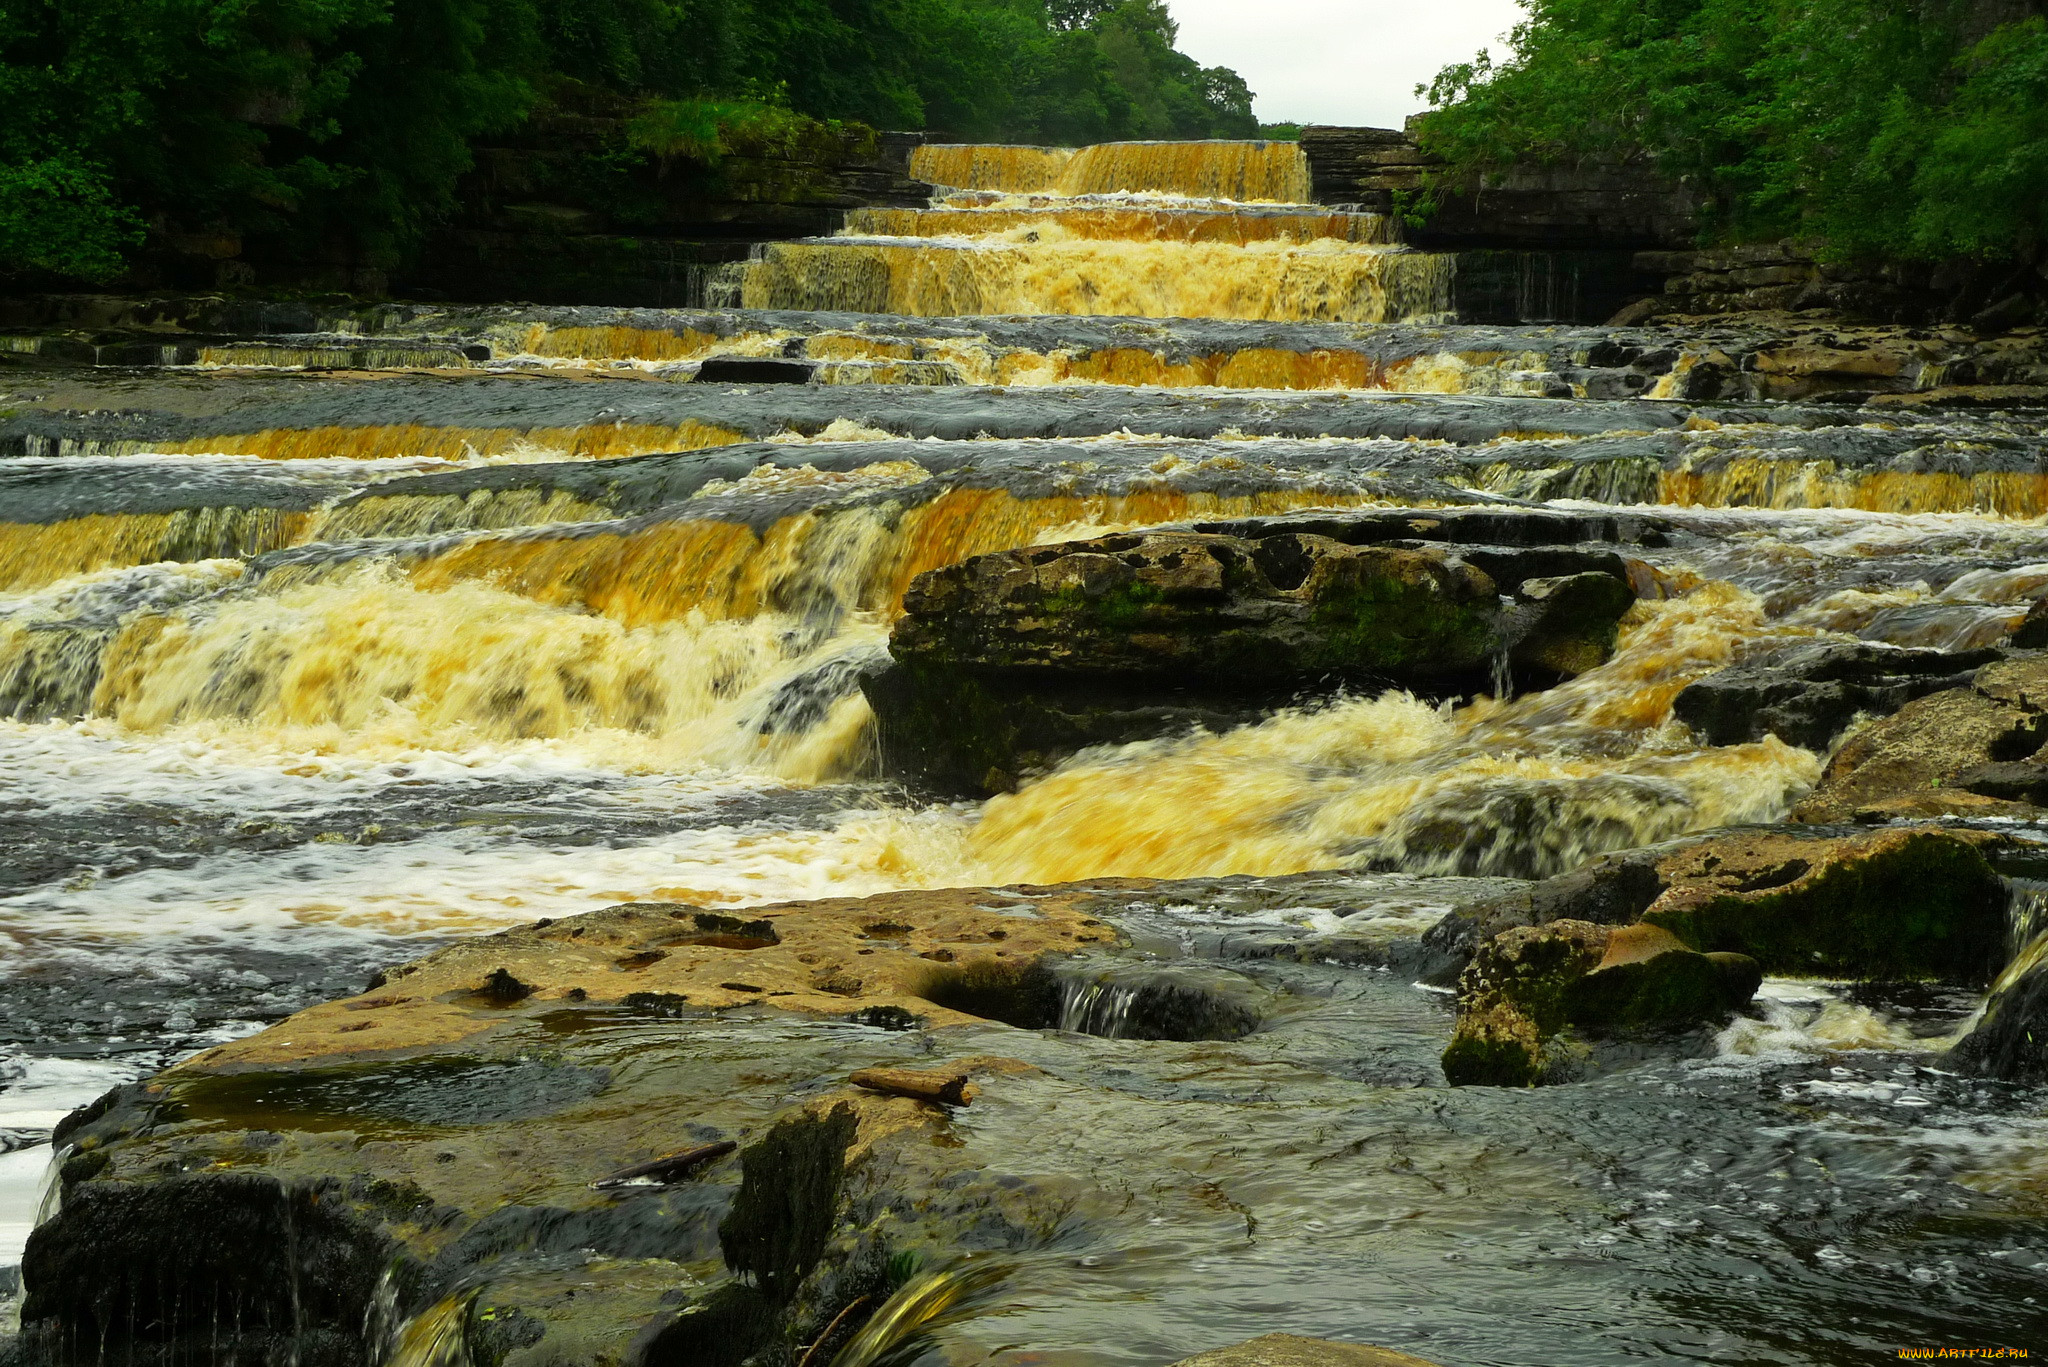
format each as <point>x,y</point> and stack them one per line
<point>1495,1047</point>
<point>1899,905</point>
<point>1529,984</point>
<point>1671,989</point>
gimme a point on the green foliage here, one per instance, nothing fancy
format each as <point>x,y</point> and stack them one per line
<point>706,131</point>
<point>1877,126</point>
<point>227,118</point>
<point>1980,176</point>
<point>1281,132</point>
<point>59,215</point>
<point>338,129</point>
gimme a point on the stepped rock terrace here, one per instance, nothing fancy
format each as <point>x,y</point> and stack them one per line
<point>550,836</point>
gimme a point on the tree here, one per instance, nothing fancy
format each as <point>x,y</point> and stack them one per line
<point>1907,128</point>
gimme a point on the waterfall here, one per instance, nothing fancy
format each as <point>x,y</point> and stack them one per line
<point>1244,171</point>
<point>1129,229</point>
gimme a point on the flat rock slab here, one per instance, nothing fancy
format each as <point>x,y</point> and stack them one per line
<point>1290,1350</point>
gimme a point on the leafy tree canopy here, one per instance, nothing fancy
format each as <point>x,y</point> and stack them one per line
<point>316,122</point>
<point>1908,128</point>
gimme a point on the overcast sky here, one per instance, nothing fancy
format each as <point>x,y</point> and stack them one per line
<point>1339,61</point>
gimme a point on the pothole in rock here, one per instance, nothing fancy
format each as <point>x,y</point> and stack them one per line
<point>1135,1001</point>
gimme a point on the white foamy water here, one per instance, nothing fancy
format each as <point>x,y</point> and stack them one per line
<point>335,885</point>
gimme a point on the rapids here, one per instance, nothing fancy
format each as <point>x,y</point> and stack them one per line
<point>300,677</point>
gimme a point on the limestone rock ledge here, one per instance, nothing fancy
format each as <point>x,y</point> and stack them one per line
<point>629,1137</point>
<point>1008,662</point>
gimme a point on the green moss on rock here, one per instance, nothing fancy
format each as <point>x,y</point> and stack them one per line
<point>1907,904</point>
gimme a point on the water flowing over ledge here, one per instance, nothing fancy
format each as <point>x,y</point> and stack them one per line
<point>461,740</point>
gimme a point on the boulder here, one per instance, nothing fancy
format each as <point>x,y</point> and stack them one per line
<point>1289,1350</point>
<point>1931,756</point>
<point>1567,624</point>
<point>1006,663</point>
<point>2010,1041</point>
<point>960,731</point>
<point>1892,904</point>
<point>1527,984</point>
<point>1807,694</point>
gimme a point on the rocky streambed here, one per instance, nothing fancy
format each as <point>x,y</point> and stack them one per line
<point>536,861</point>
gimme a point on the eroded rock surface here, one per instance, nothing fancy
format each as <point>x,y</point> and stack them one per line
<point>1806,694</point>
<point>651,1134</point>
<point>1951,752</point>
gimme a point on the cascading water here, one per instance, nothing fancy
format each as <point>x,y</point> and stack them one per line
<point>1150,230</point>
<point>307,682</point>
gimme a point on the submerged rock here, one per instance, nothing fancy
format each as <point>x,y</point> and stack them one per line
<point>1806,694</point>
<point>1933,756</point>
<point>1289,1350</point>
<point>1006,663</point>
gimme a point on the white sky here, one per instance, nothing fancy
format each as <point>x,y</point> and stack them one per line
<point>1339,61</point>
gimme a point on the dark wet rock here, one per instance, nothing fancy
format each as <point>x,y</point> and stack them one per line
<point>1567,624</point>
<point>2011,1040</point>
<point>2015,781</point>
<point>788,1197</point>
<point>1806,694</point>
<point>1892,904</point>
<point>1290,1350</point>
<point>2032,632</point>
<point>1527,984</point>
<point>756,370</point>
<point>1211,609</point>
<point>1008,662</point>
<point>1914,762</point>
<point>953,732</point>
<point>294,1268</point>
